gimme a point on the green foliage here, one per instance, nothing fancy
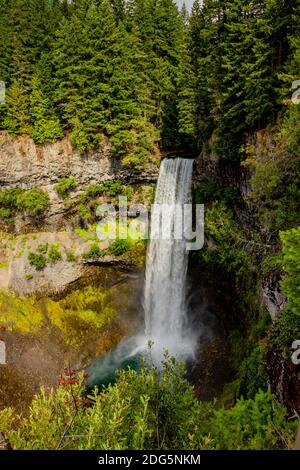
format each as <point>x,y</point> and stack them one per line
<point>54,254</point>
<point>80,138</point>
<point>8,202</point>
<point>275,188</point>
<point>285,331</point>
<point>291,260</point>
<point>34,201</point>
<point>75,317</point>
<point>227,246</point>
<point>97,69</point>
<point>111,188</point>
<point>37,259</point>
<point>46,126</point>
<point>230,94</point>
<point>81,312</point>
<point>71,257</point>
<point>65,186</point>
<point>291,129</point>
<point>93,252</point>
<point>28,277</point>
<point>250,424</point>
<point>253,375</point>
<point>43,248</point>
<point>119,246</point>
<point>19,313</point>
<point>148,409</point>
<point>142,74</point>
<point>210,190</point>
<point>84,211</point>
<point>261,327</point>
<point>17,119</point>
<point>5,213</point>
<point>272,264</point>
<point>93,190</point>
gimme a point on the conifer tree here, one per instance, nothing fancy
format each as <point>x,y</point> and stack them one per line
<point>132,133</point>
<point>46,126</point>
<point>187,96</point>
<point>248,81</point>
<point>4,49</point>
<point>84,48</point>
<point>17,119</point>
<point>160,29</point>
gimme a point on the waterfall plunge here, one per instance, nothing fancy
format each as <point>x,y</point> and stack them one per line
<point>166,322</point>
<point>165,309</point>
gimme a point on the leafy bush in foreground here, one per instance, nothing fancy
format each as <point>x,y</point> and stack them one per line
<point>148,409</point>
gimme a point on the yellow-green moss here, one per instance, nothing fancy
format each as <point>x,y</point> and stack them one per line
<point>22,314</point>
<point>81,311</point>
<point>77,315</point>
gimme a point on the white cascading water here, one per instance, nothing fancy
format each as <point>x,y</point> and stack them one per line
<point>166,322</point>
<point>165,309</point>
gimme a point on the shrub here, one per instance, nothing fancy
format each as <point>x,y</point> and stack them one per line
<point>8,202</point>
<point>81,312</point>
<point>230,245</point>
<point>5,213</point>
<point>110,188</point>
<point>250,424</point>
<point>94,190</point>
<point>93,252</point>
<point>119,246</point>
<point>71,257</point>
<point>84,212</point>
<point>291,261</point>
<point>148,409</point>
<point>43,248</point>
<point>65,186</point>
<point>20,313</point>
<point>253,375</point>
<point>285,330</point>
<point>33,201</point>
<point>54,253</point>
<point>37,259</point>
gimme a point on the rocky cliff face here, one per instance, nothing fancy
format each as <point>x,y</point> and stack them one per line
<point>23,164</point>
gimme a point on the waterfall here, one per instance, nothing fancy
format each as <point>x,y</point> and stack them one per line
<point>165,309</point>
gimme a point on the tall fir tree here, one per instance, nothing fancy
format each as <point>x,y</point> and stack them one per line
<point>17,118</point>
<point>45,125</point>
<point>187,95</point>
